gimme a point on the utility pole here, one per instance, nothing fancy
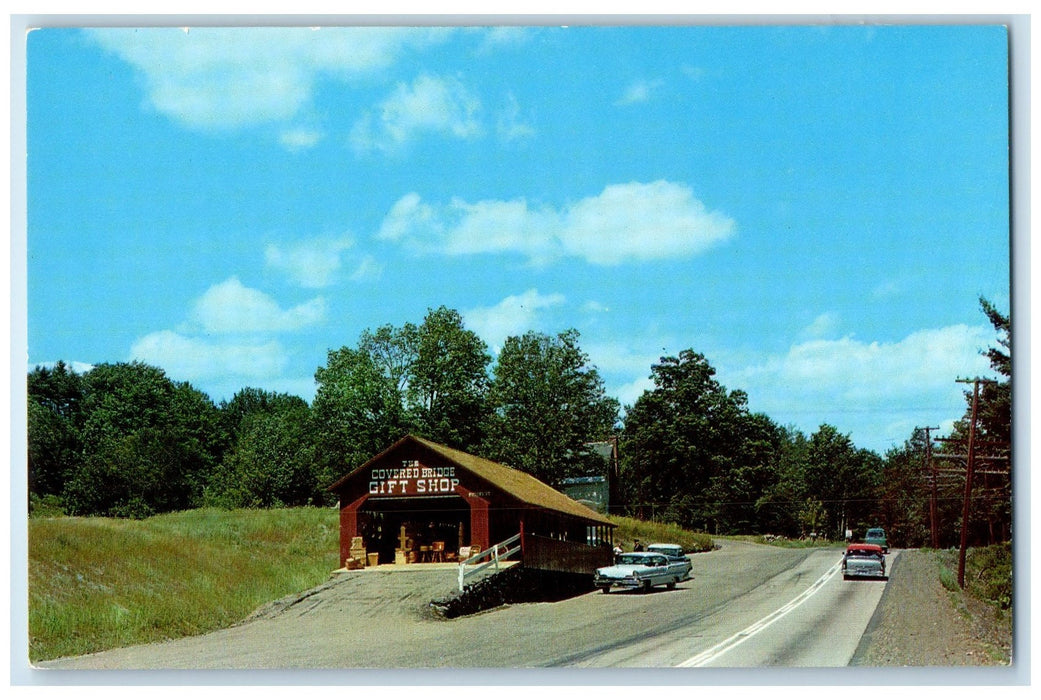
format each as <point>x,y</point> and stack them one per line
<point>970,465</point>
<point>931,467</point>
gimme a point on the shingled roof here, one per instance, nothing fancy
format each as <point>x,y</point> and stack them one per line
<point>521,485</point>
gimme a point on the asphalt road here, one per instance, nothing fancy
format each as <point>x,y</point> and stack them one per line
<point>747,605</point>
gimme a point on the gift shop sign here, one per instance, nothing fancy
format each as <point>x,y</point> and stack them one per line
<point>411,479</point>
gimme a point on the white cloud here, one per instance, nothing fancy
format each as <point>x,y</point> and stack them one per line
<point>300,139</point>
<point>496,226</point>
<point>628,393</point>
<point>642,221</point>
<point>410,218</point>
<point>822,326</point>
<point>193,359</point>
<point>368,269</point>
<point>639,91</point>
<point>634,221</point>
<point>312,263</point>
<point>870,389</point>
<point>886,289</point>
<point>226,77</point>
<point>513,315</point>
<point>626,366</point>
<point>230,307</point>
<point>430,104</point>
<point>509,124</point>
<point>504,36</point>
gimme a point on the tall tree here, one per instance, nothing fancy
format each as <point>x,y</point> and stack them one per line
<point>357,411</point>
<point>682,440</point>
<point>784,496</point>
<point>842,477</point>
<point>54,425</point>
<point>449,380</point>
<point>991,507</point>
<point>995,406</point>
<point>904,494</point>
<point>394,351</point>
<point>148,443</point>
<point>547,402</point>
<point>749,470</point>
<point>271,463</point>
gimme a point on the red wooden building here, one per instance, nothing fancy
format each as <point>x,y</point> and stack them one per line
<point>425,501</point>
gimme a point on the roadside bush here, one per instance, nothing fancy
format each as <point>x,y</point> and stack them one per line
<point>948,579</point>
<point>49,506</point>
<point>988,574</point>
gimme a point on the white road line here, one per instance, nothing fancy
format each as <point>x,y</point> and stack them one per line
<point>757,627</point>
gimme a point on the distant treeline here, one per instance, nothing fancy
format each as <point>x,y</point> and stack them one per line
<point>125,440</point>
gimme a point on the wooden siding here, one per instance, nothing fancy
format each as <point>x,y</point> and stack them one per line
<point>551,554</point>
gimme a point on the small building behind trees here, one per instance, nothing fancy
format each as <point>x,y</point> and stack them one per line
<point>421,501</point>
<point>598,488</point>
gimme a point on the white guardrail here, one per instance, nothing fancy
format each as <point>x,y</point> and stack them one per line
<point>496,551</point>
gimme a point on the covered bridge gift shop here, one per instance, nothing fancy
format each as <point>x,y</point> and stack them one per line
<point>419,502</point>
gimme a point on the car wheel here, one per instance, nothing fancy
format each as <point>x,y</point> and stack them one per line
<point>646,586</point>
<point>671,585</point>
<point>605,589</point>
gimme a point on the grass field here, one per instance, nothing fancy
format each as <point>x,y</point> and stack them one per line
<point>101,583</point>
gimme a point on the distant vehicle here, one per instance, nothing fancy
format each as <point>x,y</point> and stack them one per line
<point>642,570</point>
<point>674,552</point>
<point>670,550</point>
<point>863,561</point>
<point>876,535</point>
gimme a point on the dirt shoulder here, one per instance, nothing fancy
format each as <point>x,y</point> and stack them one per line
<point>921,623</point>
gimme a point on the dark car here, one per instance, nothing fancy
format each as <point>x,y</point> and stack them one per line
<point>876,535</point>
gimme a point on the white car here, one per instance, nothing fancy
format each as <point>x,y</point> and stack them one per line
<point>642,570</point>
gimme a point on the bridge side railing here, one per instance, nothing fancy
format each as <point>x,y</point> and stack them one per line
<point>499,551</point>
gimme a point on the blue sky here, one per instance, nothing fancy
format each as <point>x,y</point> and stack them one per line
<point>816,209</point>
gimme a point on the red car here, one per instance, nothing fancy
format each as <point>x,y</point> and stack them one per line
<point>863,560</point>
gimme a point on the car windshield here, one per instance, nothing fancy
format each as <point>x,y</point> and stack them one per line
<point>875,533</point>
<point>631,559</point>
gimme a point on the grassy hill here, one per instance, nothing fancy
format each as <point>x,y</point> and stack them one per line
<point>100,583</point>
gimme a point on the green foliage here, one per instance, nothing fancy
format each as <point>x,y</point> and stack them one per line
<point>904,493</point>
<point>122,439</point>
<point>272,461</point>
<point>100,583</point>
<point>429,379</point>
<point>148,445</point>
<point>988,574</point>
<point>948,579</point>
<point>449,381</point>
<point>357,410</point>
<point>54,427</point>
<point>843,477</point>
<point>691,450</point>
<point>812,518</point>
<point>46,506</point>
<point>546,403</point>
